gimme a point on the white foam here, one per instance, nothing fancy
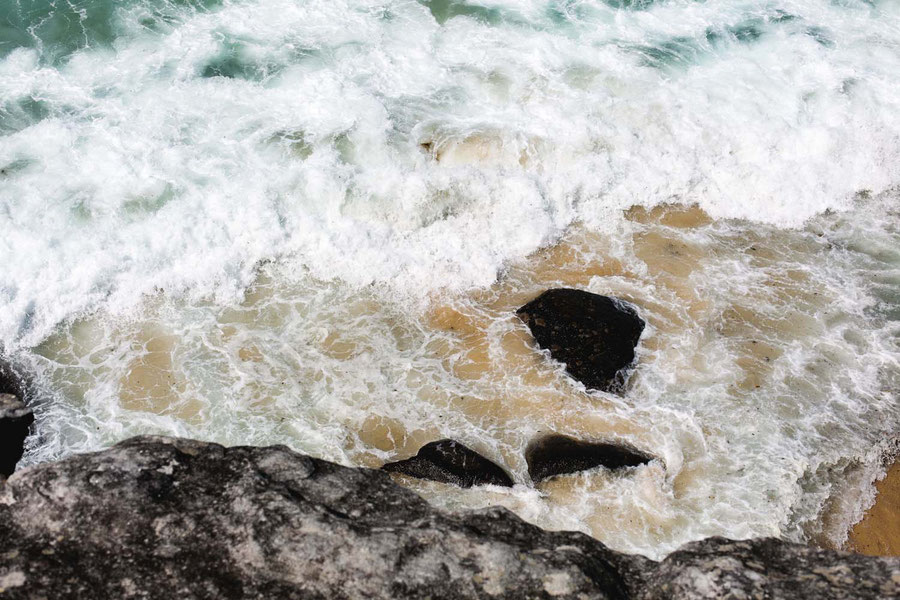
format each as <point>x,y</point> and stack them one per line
<point>371,145</point>
<point>146,175</point>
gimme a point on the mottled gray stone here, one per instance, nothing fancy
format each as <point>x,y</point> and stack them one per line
<point>166,518</point>
<point>769,569</point>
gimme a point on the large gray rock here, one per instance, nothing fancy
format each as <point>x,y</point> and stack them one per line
<point>166,518</point>
<point>15,419</point>
<point>717,568</point>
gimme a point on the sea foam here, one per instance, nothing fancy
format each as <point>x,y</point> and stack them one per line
<point>368,141</point>
<point>310,223</point>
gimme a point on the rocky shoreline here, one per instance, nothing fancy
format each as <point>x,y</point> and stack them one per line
<point>156,517</point>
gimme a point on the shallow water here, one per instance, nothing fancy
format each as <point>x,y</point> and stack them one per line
<point>311,223</point>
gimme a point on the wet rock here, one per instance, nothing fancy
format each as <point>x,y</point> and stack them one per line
<point>448,461</point>
<point>769,568</point>
<point>10,382</point>
<point>559,454</point>
<point>167,518</point>
<point>15,419</point>
<point>593,335</point>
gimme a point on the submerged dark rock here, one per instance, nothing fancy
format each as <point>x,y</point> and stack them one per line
<point>15,419</point>
<point>448,461</point>
<point>167,518</point>
<point>559,454</point>
<point>595,336</point>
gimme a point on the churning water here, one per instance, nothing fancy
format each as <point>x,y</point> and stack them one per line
<point>310,222</point>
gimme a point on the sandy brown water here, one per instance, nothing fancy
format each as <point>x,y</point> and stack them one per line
<point>735,379</point>
<point>878,533</point>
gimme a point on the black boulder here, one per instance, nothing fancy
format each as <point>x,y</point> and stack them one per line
<point>448,461</point>
<point>560,454</point>
<point>595,336</point>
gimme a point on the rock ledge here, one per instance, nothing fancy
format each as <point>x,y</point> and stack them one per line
<point>169,518</point>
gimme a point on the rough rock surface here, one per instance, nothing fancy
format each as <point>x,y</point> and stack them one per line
<point>593,335</point>
<point>166,518</point>
<point>15,419</point>
<point>449,461</point>
<point>10,382</point>
<point>717,568</point>
<point>163,518</point>
<point>559,454</point>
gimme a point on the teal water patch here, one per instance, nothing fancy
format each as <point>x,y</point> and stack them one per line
<point>296,143</point>
<point>16,166</point>
<point>821,35</point>
<point>444,10</point>
<point>258,60</point>
<point>630,4</point>
<point>21,113</point>
<point>855,3</point>
<point>161,16</point>
<point>568,11</point>
<point>57,28</point>
<point>782,16</point>
<point>686,51</point>
<point>745,32</point>
<point>148,204</point>
<point>236,60</point>
<point>675,52</point>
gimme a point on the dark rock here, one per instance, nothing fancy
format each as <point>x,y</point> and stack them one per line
<point>560,454</point>
<point>10,382</point>
<point>15,419</point>
<point>448,461</point>
<point>768,568</point>
<point>166,518</point>
<point>593,335</point>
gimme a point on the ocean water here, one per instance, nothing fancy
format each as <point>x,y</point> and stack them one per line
<point>310,223</point>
